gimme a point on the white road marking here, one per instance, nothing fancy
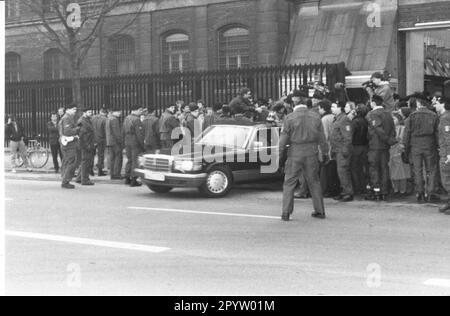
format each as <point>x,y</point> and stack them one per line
<point>88,242</point>
<point>438,282</point>
<point>201,213</point>
<point>8,199</point>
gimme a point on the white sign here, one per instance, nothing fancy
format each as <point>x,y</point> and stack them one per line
<point>73,15</point>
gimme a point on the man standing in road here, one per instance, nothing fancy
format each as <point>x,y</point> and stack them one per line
<point>444,145</point>
<point>151,131</point>
<point>99,123</point>
<point>303,131</point>
<point>341,147</point>
<point>69,142</point>
<point>134,143</point>
<point>421,139</point>
<point>381,138</point>
<point>87,146</point>
<point>114,143</point>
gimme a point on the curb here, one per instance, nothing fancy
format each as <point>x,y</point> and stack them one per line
<point>56,178</point>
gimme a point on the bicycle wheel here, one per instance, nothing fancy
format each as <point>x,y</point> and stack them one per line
<point>38,158</point>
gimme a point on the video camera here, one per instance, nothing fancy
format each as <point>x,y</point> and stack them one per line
<point>369,84</point>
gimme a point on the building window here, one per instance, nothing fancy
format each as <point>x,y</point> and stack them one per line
<point>12,67</point>
<point>12,8</point>
<point>234,48</point>
<point>54,65</point>
<point>121,55</point>
<point>176,53</point>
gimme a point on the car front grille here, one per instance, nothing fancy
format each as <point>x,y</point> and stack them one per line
<point>158,164</point>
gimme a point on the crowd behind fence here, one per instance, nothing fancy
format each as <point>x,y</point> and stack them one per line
<point>33,102</point>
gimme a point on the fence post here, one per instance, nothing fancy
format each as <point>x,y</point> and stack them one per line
<point>33,112</point>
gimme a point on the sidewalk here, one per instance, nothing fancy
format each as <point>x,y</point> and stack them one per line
<point>48,172</point>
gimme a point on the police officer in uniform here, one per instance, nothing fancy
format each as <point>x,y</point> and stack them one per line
<point>151,130</point>
<point>167,123</point>
<point>341,138</point>
<point>134,143</point>
<point>99,123</point>
<point>69,129</point>
<point>444,150</point>
<point>114,142</point>
<point>381,138</point>
<point>87,146</point>
<point>421,139</point>
<point>304,133</point>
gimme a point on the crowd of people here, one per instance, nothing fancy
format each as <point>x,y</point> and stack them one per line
<point>386,147</point>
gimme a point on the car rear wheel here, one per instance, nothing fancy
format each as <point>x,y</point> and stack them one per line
<point>218,182</point>
<point>159,189</point>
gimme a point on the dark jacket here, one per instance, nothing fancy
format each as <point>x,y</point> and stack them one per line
<point>14,133</point>
<point>53,133</point>
<point>114,135</point>
<point>360,128</point>
<point>341,135</point>
<point>193,125</point>
<point>68,127</point>
<point>421,131</point>
<point>303,130</point>
<point>87,135</point>
<point>382,133</point>
<point>151,132</point>
<point>444,135</point>
<point>239,105</point>
<point>134,131</point>
<point>99,123</point>
<point>167,123</point>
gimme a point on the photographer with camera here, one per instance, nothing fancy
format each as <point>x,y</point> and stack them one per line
<point>378,86</point>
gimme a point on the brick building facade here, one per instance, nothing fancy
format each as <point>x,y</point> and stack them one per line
<point>174,35</point>
<point>166,36</point>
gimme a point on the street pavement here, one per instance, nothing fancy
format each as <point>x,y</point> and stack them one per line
<point>114,240</point>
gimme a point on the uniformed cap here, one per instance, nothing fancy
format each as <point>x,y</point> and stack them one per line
<point>71,106</point>
<point>318,95</point>
<point>136,107</point>
<point>302,91</point>
<point>421,96</point>
<point>193,107</point>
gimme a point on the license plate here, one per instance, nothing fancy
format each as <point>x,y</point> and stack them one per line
<point>155,176</point>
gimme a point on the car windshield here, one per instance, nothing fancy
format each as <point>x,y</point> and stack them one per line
<point>226,136</point>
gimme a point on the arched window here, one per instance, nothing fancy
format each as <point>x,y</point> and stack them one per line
<point>54,65</point>
<point>176,53</point>
<point>12,67</point>
<point>234,48</point>
<point>121,55</point>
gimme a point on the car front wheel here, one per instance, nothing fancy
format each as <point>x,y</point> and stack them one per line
<point>218,182</point>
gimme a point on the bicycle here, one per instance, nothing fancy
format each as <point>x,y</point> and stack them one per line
<point>38,156</point>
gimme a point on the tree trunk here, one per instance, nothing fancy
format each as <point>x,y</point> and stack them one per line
<point>75,65</point>
<point>76,84</point>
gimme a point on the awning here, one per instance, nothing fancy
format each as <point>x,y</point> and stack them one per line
<point>340,33</point>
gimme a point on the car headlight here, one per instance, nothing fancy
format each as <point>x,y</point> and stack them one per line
<point>187,165</point>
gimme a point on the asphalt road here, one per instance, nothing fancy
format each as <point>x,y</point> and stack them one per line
<point>59,242</point>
